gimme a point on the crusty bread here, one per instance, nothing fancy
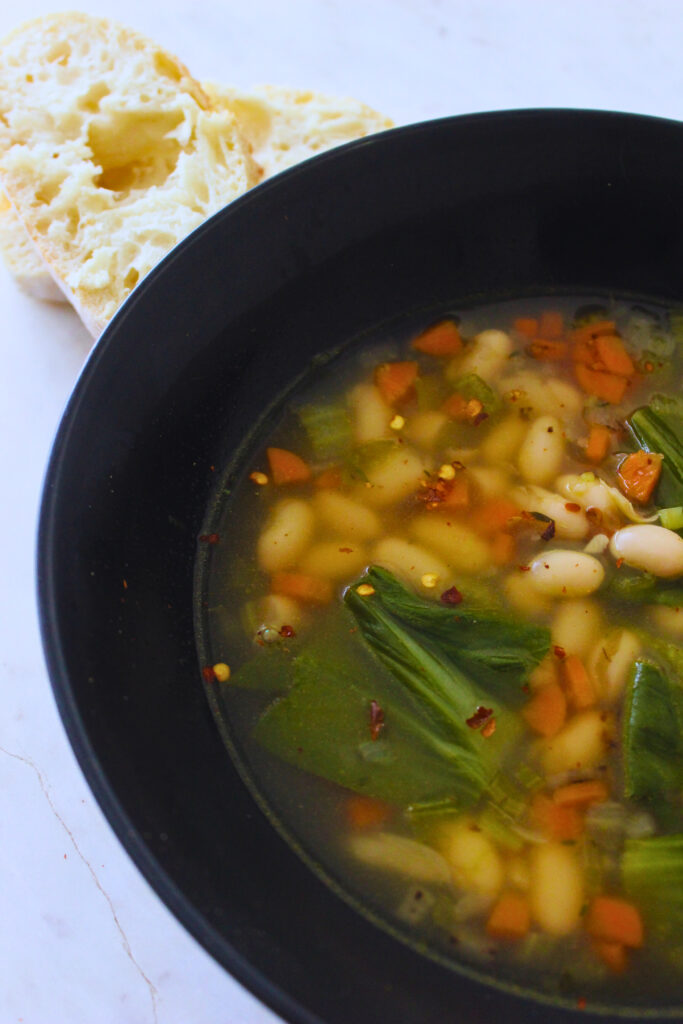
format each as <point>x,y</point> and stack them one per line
<point>110,153</point>
<point>285,126</point>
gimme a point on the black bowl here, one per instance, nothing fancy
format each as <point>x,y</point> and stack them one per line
<point>486,206</point>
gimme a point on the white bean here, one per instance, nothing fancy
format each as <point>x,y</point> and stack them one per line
<point>669,620</point>
<point>570,524</point>
<point>581,744</point>
<point>486,356</point>
<point>649,548</point>
<point>459,546</point>
<point>286,534</point>
<point>370,414</point>
<point>474,861</point>
<point>490,480</point>
<point>333,560</point>
<point>611,660</point>
<point>343,515</point>
<point>523,595</point>
<point>392,477</point>
<point>577,625</point>
<point>563,573</point>
<point>542,451</point>
<point>411,562</point>
<point>277,610</point>
<point>425,428</point>
<point>556,888</point>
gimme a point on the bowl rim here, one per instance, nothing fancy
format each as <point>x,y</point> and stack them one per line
<point>115,814</point>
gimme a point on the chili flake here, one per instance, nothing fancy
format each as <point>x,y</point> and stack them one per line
<point>221,671</point>
<point>258,478</point>
<point>209,674</point>
<point>479,718</point>
<point>209,538</point>
<point>287,632</point>
<point>365,590</point>
<point>376,720</point>
<point>451,596</point>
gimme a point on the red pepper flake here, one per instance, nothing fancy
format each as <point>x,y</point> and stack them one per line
<point>209,674</point>
<point>209,538</point>
<point>619,563</point>
<point>559,652</point>
<point>125,584</point>
<point>287,631</point>
<point>346,551</point>
<point>524,568</point>
<point>479,718</point>
<point>572,506</point>
<point>451,596</point>
<point>581,1003</point>
<point>376,720</point>
<point>489,728</point>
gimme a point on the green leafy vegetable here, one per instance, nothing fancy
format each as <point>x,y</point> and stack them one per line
<point>499,652</point>
<point>652,736</point>
<point>644,588</point>
<point>328,427</point>
<point>652,871</point>
<point>471,385</point>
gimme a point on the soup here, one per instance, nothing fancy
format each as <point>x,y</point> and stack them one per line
<point>442,613</point>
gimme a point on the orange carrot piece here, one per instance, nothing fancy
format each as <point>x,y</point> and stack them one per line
<point>578,685</point>
<point>396,380</point>
<point>610,351</point>
<point>638,475</point>
<point>598,444</point>
<point>510,918</point>
<point>548,350</point>
<point>613,955</point>
<point>551,325</point>
<point>503,548</point>
<point>309,589</point>
<point>563,823</point>
<point>365,812</point>
<point>286,467</point>
<point>581,794</point>
<point>457,495</point>
<point>607,386</point>
<point>455,406</point>
<point>589,332</point>
<point>546,711</point>
<point>494,515</point>
<point>610,919</point>
<point>526,325</point>
<point>330,479</point>
<point>443,339</point>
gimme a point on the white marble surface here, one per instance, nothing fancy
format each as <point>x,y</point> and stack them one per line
<point>83,939</point>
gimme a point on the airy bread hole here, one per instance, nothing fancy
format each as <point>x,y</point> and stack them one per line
<point>132,148</point>
<point>93,97</point>
<point>59,53</point>
<point>166,66</point>
<point>131,279</point>
<point>47,192</point>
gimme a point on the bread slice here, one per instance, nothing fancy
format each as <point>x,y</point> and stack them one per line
<point>110,153</point>
<point>285,126</point>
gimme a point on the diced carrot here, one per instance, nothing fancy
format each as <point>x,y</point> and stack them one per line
<point>551,325</point>
<point>309,589</point>
<point>494,515</point>
<point>589,332</point>
<point>503,548</point>
<point>610,351</point>
<point>606,386</point>
<point>613,955</point>
<point>638,475</point>
<point>598,444</point>
<point>581,794</point>
<point>548,350</point>
<point>526,325</point>
<point>330,479</point>
<point>286,467</point>
<point>578,685</point>
<point>563,823</point>
<point>546,711</point>
<point>610,919</point>
<point>365,812</point>
<point>510,917</point>
<point>455,406</point>
<point>457,495</point>
<point>396,380</point>
<point>443,339</point>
